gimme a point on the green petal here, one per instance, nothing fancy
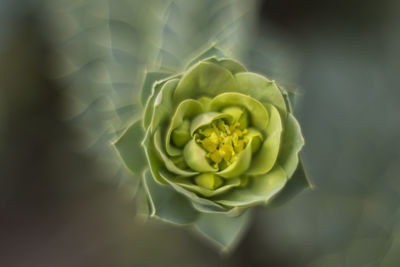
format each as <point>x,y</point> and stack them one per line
<point>221,230</point>
<point>240,165</point>
<point>209,52</point>
<point>148,110</point>
<point>258,114</point>
<point>288,100</point>
<point>163,103</point>
<point>166,204</point>
<point>256,138</point>
<point>167,161</point>
<point>149,79</point>
<point>204,205</point>
<point>292,142</point>
<point>185,183</point>
<point>206,118</point>
<point>262,89</point>
<point>153,159</point>
<point>238,114</point>
<point>129,148</point>
<point>227,211</point>
<point>204,79</point>
<point>208,181</point>
<point>259,189</point>
<point>187,109</point>
<point>181,135</point>
<point>297,184</point>
<point>195,157</point>
<point>265,158</point>
<point>230,64</point>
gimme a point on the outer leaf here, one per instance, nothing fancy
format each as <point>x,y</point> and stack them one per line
<point>204,79</point>
<point>292,142</point>
<point>204,205</point>
<point>297,184</point>
<point>163,103</point>
<point>149,108</point>
<point>221,230</point>
<point>288,99</point>
<point>166,204</point>
<point>191,27</point>
<point>209,52</point>
<point>230,212</point>
<point>232,65</point>
<point>153,160</point>
<point>262,89</point>
<point>129,148</point>
<point>259,189</point>
<point>149,79</point>
<point>265,158</point>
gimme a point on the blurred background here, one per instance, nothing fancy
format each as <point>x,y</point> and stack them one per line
<point>70,73</point>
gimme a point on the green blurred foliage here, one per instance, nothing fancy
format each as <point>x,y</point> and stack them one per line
<point>69,78</point>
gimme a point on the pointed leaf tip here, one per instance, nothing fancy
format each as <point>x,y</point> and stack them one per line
<point>211,51</point>
<point>150,78</point>
<point>297,184</point>
<point>222,231</point>
<point>129,147</point>
<point>166,204</point>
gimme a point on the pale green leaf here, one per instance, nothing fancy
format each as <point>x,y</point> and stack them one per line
<point>129,148</point>
<point>204,79</point>
<point>262,89</point>
<point>265,158</point>
<point>221,230</point>
<point>292,143</point>
<point>167,204</point>
<point>163,103</point>
<point>203,204</point>
<point>297,184</point>
<point>150,78</point>
<point>209,52</point>
<point>230,64</point>
<point>193,28</point>
<point>260,189</point>
<point>153,159</point>
<point>149,108</point>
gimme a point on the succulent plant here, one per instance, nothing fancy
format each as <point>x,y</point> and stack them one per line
<point>214,141</point>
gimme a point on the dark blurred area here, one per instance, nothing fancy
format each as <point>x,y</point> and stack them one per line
<point>58,208</point>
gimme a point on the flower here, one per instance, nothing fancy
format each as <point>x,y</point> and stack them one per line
<point>218,140</point>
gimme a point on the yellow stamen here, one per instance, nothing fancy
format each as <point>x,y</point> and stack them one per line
<point>222,142</point>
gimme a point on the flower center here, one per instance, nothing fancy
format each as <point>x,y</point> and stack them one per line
<point>222,142</point>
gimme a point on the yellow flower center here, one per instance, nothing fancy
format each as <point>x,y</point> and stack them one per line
<point>222,142</point>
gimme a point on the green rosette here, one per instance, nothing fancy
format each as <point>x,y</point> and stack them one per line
<point>214,141</point>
